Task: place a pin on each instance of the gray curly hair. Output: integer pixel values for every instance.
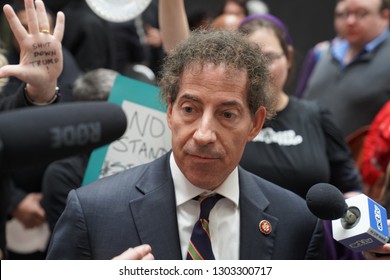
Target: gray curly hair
(230, 49)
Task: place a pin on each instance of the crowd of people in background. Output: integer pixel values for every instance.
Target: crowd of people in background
(293, 140)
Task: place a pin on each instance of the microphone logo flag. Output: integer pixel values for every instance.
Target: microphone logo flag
(369, 231)
(378, 217)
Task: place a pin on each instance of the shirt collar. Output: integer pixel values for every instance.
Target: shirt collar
(340, 47)
(374, 43)
(186, 191)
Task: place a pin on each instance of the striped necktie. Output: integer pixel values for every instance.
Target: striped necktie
(200, 244)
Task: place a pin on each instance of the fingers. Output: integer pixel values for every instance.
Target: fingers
(60, 26)
(7, 71)
(141, 252)
(40, 212)
(375, 256)
(17, 28)
(148, 257)
(37, 20)
(42, 16)
(32, 18)
(368, 255)
(379, 253)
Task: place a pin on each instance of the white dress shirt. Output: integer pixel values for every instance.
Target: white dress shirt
(224, 217)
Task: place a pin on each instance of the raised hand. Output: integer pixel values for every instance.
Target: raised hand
(41, 59)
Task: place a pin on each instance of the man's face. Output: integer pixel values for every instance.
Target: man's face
(232, 8)
(279, 63)
(360, 20)
(211, 123)
(340, 21)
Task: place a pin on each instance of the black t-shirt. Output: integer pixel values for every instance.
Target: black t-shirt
(300, 147)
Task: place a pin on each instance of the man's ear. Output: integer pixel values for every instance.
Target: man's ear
(290, 56)
(258, 122)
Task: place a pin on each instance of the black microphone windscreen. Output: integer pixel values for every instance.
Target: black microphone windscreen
(39, 135)
(326, 201)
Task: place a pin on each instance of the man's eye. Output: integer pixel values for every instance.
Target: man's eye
(188, 109)
(227, 115)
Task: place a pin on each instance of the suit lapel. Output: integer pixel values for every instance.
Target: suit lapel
(154, 212)
(254, 244)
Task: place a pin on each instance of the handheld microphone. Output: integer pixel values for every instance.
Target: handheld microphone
(359, 223)
(40, 135)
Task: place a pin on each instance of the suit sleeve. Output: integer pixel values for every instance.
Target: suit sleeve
(316, 250)
(13, 101)
(70, 240)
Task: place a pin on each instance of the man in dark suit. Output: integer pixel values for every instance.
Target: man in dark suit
(216, 89)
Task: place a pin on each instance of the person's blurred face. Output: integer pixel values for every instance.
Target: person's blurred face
(211, 123)
(232, 8)
(361, 21)
(339, 22)
(226, 22)
(279, 64)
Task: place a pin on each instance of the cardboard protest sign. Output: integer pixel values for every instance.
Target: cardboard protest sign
(147, 136)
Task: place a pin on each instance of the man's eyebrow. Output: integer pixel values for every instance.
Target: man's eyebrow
(231, 103)
(189, 96)
(195, 98)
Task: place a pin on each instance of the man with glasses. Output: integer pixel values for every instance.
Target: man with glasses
(352, 78)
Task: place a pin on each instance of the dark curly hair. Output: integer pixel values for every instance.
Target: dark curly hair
(230, 49)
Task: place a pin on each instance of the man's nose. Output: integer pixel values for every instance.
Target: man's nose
(205, 133)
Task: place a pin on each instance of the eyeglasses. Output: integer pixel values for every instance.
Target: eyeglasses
(271, 57)
(358, 14)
